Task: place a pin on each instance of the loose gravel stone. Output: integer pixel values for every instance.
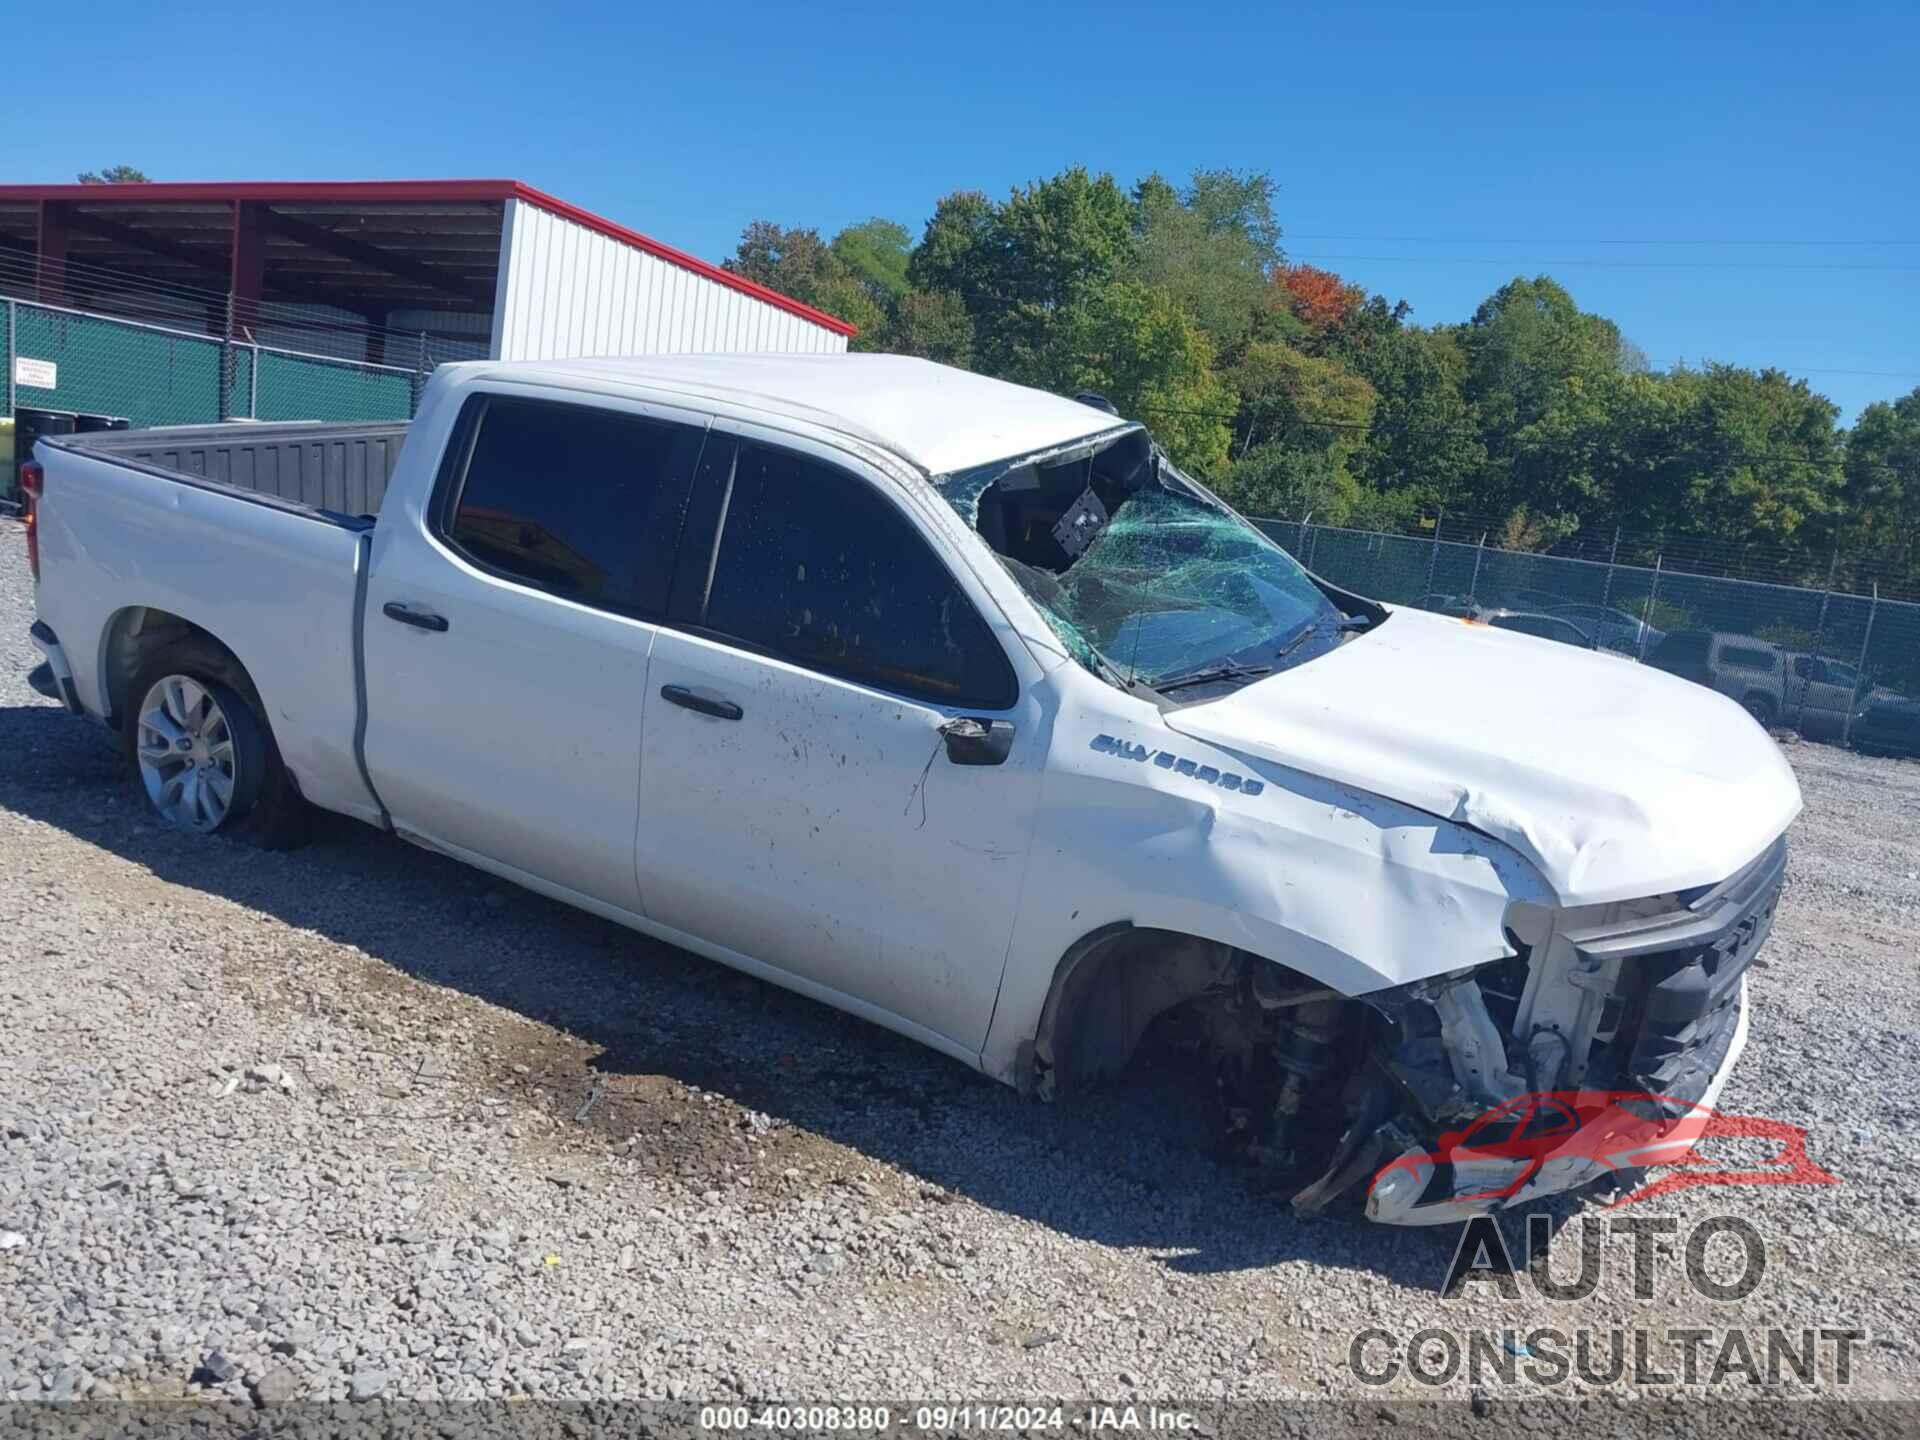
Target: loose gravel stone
(277, 1387)
(367, 1384)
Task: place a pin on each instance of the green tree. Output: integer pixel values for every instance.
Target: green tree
(114, 175)
(1212, 246)
(1882, 485)
(875, 253)
(800, 264)
(1424, 448)
(954, 255)
(1300, 400)
(934, 325)
(1025, 267)
(1279, 480)
(1767, 458)
(1536, 375)
(1135, 344)
(1302, 419)
(795, 262)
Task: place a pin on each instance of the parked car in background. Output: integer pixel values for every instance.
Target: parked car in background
(1615, 629)
(1739, 666)
(1886, 724)
(1525, 599)
(1820, 695)
(1547, 627)
(1458, 606)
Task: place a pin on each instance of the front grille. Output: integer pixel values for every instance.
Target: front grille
(1684, 1006)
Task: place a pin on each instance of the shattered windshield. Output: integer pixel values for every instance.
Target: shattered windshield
(1139, 571)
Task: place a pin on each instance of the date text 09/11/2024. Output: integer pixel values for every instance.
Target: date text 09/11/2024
(947, 1419)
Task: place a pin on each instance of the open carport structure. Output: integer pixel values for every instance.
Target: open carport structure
(170, 304)
(482, 267)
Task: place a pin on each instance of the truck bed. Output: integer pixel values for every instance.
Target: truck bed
(339, 469)
(256, 534)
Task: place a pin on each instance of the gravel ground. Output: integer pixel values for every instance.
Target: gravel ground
(357, 1121)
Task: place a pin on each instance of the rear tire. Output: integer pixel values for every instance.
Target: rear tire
(200, 751)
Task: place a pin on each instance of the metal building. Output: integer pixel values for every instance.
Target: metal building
(472, 267)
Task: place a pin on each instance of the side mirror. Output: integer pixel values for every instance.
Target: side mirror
(977, 742)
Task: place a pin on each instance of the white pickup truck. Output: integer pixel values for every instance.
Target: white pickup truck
(956, 705)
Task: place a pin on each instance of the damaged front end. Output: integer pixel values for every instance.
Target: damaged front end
(1590, 1052)
(1645, 999)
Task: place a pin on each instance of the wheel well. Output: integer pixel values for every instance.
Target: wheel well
(1114, 983)
(133, 636)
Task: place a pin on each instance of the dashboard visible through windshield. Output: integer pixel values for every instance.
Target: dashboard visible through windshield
(1142, 574)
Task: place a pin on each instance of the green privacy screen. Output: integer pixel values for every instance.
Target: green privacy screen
(296, 387)
(152, 376)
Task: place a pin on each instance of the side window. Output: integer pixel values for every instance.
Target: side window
(817, 567)
(1746, 657)
(583, 502)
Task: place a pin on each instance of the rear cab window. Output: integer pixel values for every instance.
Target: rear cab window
(1749, 657)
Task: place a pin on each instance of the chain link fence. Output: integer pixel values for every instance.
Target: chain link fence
(65, 367)
(1807, 659)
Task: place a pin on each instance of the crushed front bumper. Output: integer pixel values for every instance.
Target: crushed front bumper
(1401, 1195)
(1679, 980)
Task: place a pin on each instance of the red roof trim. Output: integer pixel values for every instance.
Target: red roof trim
(373, 192)
(178, 192)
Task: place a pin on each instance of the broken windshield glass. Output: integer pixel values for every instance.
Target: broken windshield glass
(1132, 563)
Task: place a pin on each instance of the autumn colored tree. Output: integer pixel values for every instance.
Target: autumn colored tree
(1318, 298)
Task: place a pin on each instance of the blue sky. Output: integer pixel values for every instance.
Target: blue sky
(1427, 153)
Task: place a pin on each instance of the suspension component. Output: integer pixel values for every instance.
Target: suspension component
(1304, 1050)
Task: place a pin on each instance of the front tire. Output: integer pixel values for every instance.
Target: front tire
(1761, 708)
(199, 748)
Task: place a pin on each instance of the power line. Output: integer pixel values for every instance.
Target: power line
(1604, 264)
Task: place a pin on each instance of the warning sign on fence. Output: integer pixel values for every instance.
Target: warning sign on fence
(40, 374)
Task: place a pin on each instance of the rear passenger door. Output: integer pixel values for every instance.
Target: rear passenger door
(508, 630)
(797, 804)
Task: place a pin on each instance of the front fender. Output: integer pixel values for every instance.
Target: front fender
(1142, 827)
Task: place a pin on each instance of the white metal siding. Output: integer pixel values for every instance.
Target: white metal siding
(568, 291)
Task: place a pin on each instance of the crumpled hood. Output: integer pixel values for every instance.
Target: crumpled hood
(1617, 781)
